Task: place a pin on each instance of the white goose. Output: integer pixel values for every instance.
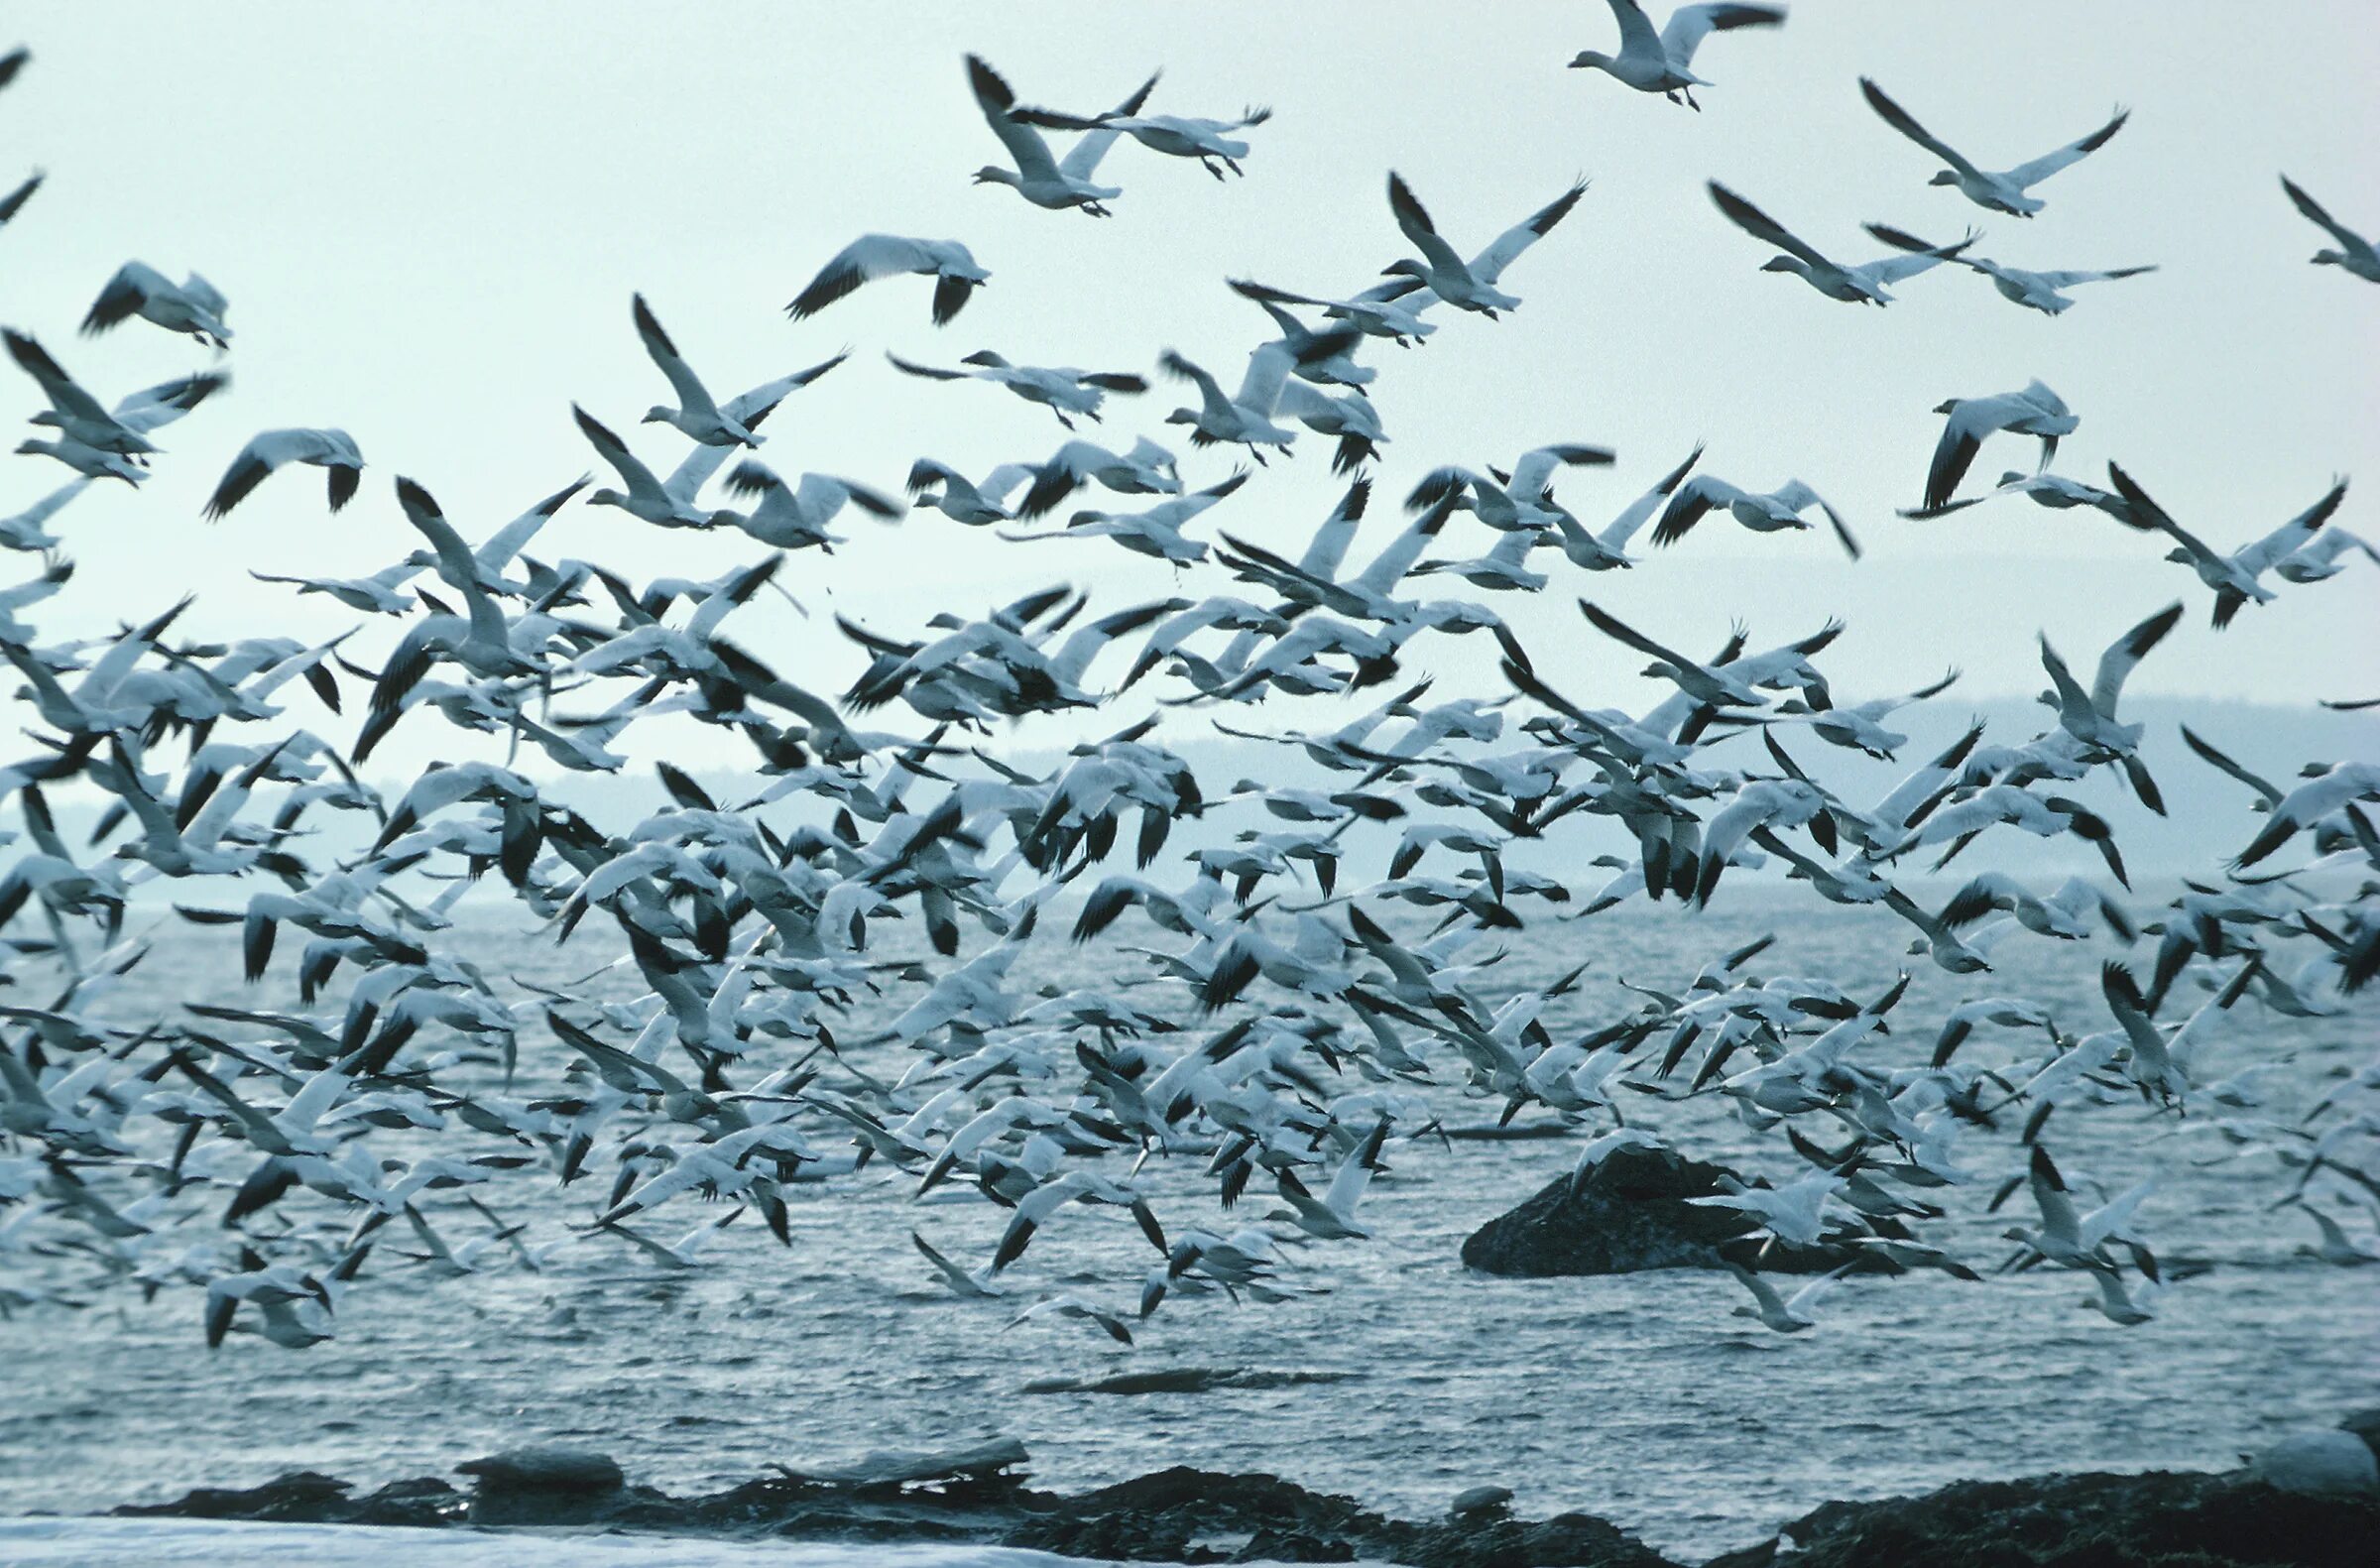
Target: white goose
(194, 305)
(2035, 290)
(1208, 141)
(76, 413)
(668, 505)
(1039, 177)
(973, 502)
(1607, 550)
(1061, 389)
(2000, 192)
(2355, 253)
(1861, 285)
(1244, 418)
(332, 450)
(1520, 500)
(2036, 410)
(792, 516)
(696, 413)
(148, 409)
(873, 256)
(1663, 62)
(1762, 513)
(2324, 556)
(1786, 1316)
(2233, 577)
(1467, 286)
(1147, 469)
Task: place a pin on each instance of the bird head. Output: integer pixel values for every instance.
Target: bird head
(1407, 268)
(656, 415)
(2330, 257)
(1943, 176)
(993, 175)
(985, 356)
(1591, 60)
(1791, 264)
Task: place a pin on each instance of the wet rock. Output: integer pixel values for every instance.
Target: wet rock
(543, 1486)
(1478, 1500)
(1183, 1379)
(2187, 1520)
(985, 1461)
(1631, 1213)
(2366, 1425)
(2333, 1464)
(297, 1495)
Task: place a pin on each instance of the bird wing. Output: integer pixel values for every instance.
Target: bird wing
(2127, 650)
(862, 261)
(265, 451)
(1267, 372)
(1892, 269)
(1354, 1172)
(2266, 791)
(1636, 34)
(167, 401)
(1689, 25)
(1328, 548)
(2314, 211)
(633, 472)
(1490, 264)
(123, 295)
(1415, 219)
(1690, 501)
(1623, 528)
(1389, 569)
(2039, 168)
(2067, 280)
(509, 540)
(1026, 146)
(1761, 226)
(692, 395)
(60, 388)
(456, 563)
(1902, 121)
(2291, 536)
(929, 372)
(1082, 158)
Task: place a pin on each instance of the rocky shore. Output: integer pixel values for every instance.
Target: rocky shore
(2313, 1500)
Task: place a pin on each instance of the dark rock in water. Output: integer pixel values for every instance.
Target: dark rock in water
(1183, 1379)
(296, 1495)
(2184, 1520)
(1478, 1500)
(543, 1486)
(982, 1462)
(2366, 1425)
(1630, 1213)
(975, 1496)
(980, 1497)
(1165, 1516)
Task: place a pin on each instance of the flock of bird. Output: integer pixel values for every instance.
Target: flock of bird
(1273, 1024)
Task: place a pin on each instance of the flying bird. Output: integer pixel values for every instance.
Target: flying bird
(873, 256)
(2004, 191)
(2355, 253)
(1663, 62)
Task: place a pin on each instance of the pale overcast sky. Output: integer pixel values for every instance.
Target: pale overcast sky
(429, 219)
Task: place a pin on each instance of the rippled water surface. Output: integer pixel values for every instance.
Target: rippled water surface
(1639, 1398)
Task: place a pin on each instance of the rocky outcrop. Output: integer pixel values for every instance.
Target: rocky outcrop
(976, 1494)
(2237, 1520)
(2173, 1520)
(1631, 1212)
(543, 1486)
